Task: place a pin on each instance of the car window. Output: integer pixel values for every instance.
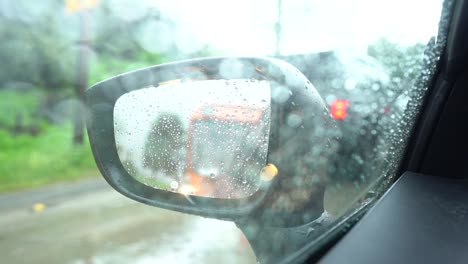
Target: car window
(370, 61)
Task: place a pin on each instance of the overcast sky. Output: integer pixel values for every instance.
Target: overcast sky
(246, 26)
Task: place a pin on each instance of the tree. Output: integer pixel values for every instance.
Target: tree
(36, 54)
(378, 116)
(376, 84)
(164, 145)
(38, 57)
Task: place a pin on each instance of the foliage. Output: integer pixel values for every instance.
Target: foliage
(401, 63)
(27, 160)
(104, 67)
(39, 54)
(39, 57)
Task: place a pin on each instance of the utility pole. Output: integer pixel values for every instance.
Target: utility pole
(82, 7)
(278, 29)
(81, 78)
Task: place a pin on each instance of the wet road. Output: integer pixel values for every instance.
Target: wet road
(88, 222)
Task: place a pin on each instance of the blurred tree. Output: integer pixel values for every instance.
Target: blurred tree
(376, 86)
(164, 145)
(41, 42)
(378, 101)
(36, 54)
(402, 64)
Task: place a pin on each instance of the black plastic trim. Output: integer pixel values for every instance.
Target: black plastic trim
(303, 98)
(421, 219)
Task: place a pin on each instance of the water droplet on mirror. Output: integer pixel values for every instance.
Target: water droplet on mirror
(174, 185)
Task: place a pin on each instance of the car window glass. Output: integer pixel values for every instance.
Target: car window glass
(369, 60)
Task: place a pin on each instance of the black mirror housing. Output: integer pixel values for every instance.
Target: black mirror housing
(302, 136)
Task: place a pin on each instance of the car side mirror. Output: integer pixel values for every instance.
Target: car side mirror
(227, 138)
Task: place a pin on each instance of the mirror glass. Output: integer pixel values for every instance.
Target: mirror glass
(206, 138)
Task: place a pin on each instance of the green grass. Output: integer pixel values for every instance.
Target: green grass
(108, 66)
(14, 104)
(27, 161)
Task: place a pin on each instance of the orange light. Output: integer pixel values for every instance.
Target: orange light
(187, 190)
(268, 172)
(72, 6)
(176, 81)
(339, 108)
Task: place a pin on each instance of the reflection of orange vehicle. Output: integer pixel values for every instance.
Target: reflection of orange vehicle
(222, 141)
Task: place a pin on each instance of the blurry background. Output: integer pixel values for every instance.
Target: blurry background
(52, 50)
(55, 207)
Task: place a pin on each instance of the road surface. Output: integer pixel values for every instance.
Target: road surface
(89, 222)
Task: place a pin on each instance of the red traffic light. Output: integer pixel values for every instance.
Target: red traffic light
(339, 108)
